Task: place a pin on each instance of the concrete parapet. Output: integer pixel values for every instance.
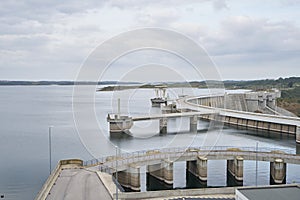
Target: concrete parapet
(75, 162)
(163, 125)
(167, 194)
(278, 172)
(193, 123)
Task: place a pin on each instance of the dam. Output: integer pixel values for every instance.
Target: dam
(119, 176)
(209, 108)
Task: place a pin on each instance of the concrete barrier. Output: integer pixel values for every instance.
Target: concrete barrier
(177, 193)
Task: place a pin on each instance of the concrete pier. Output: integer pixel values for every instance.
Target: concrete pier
(162, 171)
(239, 168)
(155, 171)
(130, 178)
(119, 123)
(168, 172)
(123, 178)
(235, 169)
(193, 123)
(163, 125)
(277, 172)
(134, 173)
(298, 134)
(202, 168)
(198, 168)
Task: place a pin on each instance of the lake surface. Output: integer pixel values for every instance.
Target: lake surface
(26, 112)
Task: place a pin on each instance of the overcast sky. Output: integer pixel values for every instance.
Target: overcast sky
(247, 39)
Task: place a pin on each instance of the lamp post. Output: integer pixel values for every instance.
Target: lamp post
(116, 172)
(256, 164)
(50, 151)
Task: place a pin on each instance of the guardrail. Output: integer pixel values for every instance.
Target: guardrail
(108, 164)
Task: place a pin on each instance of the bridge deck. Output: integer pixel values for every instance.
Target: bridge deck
(78, 184)
(182, 154)
(172, 115)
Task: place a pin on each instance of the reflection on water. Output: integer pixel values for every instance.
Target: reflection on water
(154, 184)
(232, 182)
(297, 148)
(193, 182)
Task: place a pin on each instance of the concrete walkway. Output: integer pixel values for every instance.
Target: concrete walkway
(78, 184)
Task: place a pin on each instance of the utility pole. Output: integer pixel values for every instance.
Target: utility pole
(119, 107)
(116, 171)
(256, 164)
(50, 151)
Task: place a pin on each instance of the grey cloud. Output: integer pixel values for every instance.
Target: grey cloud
(195, 31)
(220, 4)
(134, 4)
(290, 2)
(161, 17)
(242, 34)
(62, 33)
(23, 42)
(38, 8)
(140, 4)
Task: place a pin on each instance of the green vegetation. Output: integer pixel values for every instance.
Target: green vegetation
(290, 100)
(290, 90)
(291, 93)
(281, 83)
(193, 84)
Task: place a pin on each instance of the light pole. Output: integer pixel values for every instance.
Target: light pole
(256, 164)
(116, 172)
(49, 140)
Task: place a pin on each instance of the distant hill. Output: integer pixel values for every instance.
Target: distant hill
(253, 84)
(290, 87)
(5, 82)
(264, 84)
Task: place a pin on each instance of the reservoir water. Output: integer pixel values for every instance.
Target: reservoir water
(26, 112)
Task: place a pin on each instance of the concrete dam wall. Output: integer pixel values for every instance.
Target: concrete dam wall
(261, 102)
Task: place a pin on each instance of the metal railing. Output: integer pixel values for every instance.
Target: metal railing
(107, 164)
